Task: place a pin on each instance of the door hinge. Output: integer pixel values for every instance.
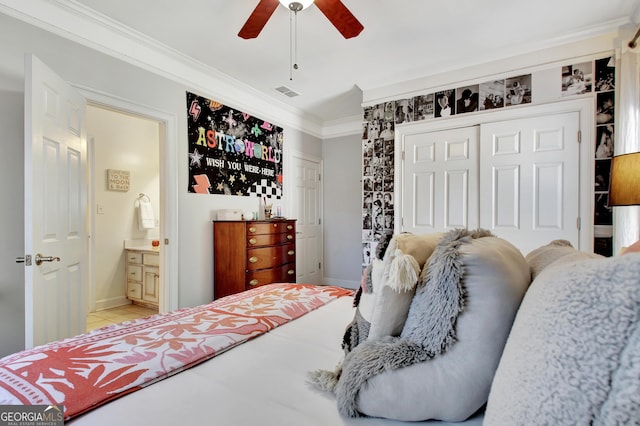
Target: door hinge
(319, 265)
(319, 177)
(319, 221)
(579, 136)
(579, 224)
(402, 155)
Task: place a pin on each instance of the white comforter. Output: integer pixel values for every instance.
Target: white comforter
(261, 382)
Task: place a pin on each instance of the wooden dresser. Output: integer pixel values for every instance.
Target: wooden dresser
(252, 253)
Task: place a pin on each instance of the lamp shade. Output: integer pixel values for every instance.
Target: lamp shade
(303, 4)
(624, 189)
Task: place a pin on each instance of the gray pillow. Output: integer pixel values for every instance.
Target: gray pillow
(573, 353)
(455, 384)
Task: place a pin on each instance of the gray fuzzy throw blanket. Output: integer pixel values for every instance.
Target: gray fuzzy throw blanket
(428, 331)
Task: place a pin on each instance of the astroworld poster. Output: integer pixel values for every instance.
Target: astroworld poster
(232, 152)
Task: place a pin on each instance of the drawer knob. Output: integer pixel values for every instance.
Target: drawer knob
(291, 272)
(275, 225)
(291, 252)
(253, 282)
(253, 241)
(253, 259)
(289, 237)
(252, 229)
(289, 227)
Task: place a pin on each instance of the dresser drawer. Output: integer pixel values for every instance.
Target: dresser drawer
(281, 274)
(260, 228)
(134, 290)
(134, 272)
(269, 239)
(134, 257)
(264, 257)
(151, 259)
(289, 253)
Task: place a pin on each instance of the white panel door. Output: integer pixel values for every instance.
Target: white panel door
(55, 206)
(530, 179)
(440, 180)
(308, 224)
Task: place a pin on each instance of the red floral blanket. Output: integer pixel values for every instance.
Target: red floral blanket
(91, 369)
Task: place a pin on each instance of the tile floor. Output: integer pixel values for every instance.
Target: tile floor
(115, 315)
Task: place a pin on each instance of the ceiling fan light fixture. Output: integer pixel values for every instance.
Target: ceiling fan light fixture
(296, 5)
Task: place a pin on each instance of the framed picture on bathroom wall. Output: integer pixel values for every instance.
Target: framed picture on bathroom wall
(118, 180)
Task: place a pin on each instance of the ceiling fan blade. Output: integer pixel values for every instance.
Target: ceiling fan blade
(340, 17)
(258, 18)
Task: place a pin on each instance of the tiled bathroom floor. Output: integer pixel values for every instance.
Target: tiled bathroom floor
(116, 315)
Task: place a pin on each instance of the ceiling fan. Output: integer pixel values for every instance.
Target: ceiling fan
(334, 10)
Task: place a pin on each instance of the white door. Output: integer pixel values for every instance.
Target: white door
(308, 209)
(530, 179)
(55, 206)
(440, 180)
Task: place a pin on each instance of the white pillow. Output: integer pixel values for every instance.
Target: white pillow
(547, 255)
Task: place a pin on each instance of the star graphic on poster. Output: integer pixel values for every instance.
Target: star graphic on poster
(232, 179)
(239, 193)
(220, 186)
(195, 158)
(256, 130)
(243, 178)
(229, 119)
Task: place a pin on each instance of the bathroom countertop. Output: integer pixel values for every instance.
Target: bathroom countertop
(144, 248)
(140, 245)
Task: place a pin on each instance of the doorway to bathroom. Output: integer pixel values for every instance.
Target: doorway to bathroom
(124, 152)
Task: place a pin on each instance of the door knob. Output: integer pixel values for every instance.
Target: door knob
(40, 258)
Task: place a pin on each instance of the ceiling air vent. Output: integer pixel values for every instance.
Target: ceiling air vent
(287, 91)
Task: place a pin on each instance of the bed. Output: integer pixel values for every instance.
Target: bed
(240, 360)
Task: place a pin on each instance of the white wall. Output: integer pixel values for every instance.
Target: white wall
(342, 186)
(88, 68)
(120, 142)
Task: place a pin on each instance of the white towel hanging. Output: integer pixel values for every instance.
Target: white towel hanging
(146, 218)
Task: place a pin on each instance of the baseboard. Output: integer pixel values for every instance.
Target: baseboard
(341, 283)
(114, 302)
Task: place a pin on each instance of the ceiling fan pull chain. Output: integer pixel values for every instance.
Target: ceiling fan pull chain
(295, 41)
(290, 45)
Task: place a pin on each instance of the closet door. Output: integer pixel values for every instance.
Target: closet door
(529, 179)
(440, 180)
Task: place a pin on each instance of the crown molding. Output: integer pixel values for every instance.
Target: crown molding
(579, 43)
(76, 22)
(342, 127)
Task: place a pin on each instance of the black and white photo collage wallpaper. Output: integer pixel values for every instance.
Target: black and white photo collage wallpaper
(378, 135)
(604, 86)
(592, 78)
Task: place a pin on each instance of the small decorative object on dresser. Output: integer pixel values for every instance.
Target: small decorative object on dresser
(251, 253)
